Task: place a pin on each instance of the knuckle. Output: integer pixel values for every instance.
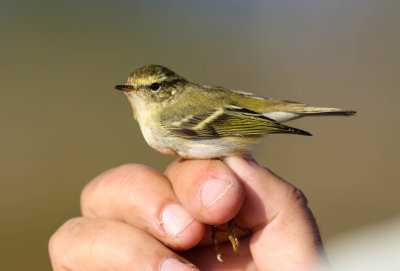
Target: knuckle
(53, 244)
(116, 179)
(213, 165)
(57, 240)
(86, 199)
(296, 197)
(78, 240)
(207, 169)
(120, 177)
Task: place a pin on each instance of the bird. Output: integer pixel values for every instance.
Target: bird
(192, 121)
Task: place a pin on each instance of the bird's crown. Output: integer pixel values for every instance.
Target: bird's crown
(150, 74)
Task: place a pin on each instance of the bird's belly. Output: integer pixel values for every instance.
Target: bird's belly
(173, 145)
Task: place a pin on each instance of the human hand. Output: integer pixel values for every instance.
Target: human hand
(135, 218)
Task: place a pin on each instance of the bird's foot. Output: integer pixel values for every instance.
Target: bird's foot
(232, 236)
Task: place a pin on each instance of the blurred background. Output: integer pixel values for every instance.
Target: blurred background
(62, 123)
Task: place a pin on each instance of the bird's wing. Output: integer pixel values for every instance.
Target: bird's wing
(227, 121)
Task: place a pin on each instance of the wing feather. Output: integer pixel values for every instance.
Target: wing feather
(229, 121)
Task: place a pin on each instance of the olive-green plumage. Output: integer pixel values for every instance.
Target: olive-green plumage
(178, 117)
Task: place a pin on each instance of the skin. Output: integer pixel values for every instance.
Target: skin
(129, 213)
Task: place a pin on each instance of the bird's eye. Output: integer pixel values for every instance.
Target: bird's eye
(155, 86)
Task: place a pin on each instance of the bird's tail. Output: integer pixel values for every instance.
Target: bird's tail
(282, 111)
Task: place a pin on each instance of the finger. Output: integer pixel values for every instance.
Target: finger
(98, 244)
(208, 189)
(142, 197)
(285, 232)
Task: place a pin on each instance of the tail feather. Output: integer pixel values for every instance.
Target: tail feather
(309, 109)
(282, 111)
(339, 112)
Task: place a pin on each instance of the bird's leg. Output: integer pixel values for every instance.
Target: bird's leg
(217, 245)
(247, 231)
(232, 236)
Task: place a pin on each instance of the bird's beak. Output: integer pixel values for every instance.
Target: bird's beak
(126, 88)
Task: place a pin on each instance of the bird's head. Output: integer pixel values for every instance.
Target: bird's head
(154, 83)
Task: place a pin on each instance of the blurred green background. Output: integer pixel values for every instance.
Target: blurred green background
(62, 123)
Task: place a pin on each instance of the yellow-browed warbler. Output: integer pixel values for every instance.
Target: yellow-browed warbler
(188, 120)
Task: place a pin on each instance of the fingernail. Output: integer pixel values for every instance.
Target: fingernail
(175, 219)
(171, 264)
(213, 190)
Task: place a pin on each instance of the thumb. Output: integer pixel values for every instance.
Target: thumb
(285, 233)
